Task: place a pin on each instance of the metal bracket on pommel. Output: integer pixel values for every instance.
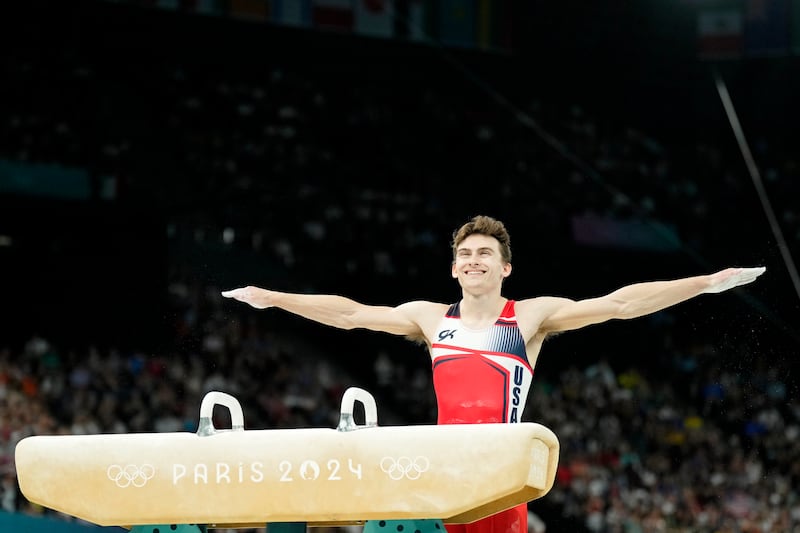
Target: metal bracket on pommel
(319, 476)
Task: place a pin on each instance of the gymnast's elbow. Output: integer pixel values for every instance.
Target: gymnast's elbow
(346, 322)
(631, 310)
(352, 320)
(625, 310)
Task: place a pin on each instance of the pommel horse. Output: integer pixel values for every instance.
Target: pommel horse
(234, 478)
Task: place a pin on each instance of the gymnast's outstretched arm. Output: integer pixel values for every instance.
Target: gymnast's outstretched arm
(409, 319)
(561, 314)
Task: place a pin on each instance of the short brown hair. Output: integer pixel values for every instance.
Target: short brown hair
(484, 225)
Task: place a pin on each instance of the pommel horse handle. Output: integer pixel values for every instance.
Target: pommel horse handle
(206, 427)
(347, 421)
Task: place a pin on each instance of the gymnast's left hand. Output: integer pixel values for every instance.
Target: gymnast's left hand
(253, 296)
(732, 277)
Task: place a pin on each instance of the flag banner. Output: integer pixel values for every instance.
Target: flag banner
(44, 180)
(457, 23)
(475, 24)
(168, 4)
(375, 18)
(296, 13)
(249, 9)
(493, 24)
(795, 26)
(484, 24)
(719, 33)
(333, 14)
(205, 7)
(766, 27)
(420, 20)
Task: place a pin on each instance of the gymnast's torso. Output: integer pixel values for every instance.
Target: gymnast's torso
(480, 376)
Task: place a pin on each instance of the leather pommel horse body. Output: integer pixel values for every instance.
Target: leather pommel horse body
(238, 478)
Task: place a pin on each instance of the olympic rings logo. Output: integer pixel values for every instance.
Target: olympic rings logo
(130, 475)
(405, 467)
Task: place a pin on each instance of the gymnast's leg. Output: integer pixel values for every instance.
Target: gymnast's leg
(514, 520)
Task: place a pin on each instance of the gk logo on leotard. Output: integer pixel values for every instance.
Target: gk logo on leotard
(405, 467)
(447, 334)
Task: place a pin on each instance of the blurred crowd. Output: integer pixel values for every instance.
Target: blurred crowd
(347, 179)
(692, 444)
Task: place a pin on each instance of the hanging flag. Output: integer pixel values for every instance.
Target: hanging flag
(766, 27)
(206, 7)
(333, 14)
(296, 13)
(416, 20)
(795, 26)
(493, 24)
(483, 23)
(375, 18)
(248, 9)
(168, 4)
(457, 23)
(719, 33)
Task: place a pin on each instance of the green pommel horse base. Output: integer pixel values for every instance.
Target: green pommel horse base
(421, 526)
(277, 527)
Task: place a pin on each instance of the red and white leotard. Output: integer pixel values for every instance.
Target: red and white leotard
(482, 376)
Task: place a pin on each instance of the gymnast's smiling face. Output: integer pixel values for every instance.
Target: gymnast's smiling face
(479, 266)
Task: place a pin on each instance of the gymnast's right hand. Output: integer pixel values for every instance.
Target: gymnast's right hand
(254, 296)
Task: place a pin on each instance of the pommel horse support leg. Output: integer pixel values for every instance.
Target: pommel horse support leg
(292, 477)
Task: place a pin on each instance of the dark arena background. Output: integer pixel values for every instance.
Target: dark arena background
(154, 153)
